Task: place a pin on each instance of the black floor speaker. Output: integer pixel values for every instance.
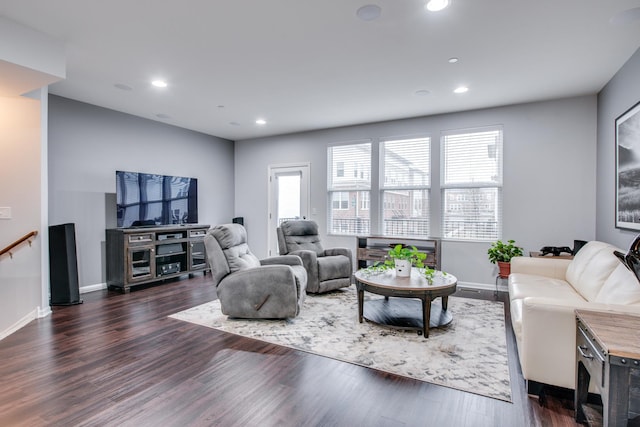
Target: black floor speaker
(63, 265)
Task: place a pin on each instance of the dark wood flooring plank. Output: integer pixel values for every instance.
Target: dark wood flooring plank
(118, 360)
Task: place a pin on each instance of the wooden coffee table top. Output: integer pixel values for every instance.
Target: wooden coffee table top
(416, 282)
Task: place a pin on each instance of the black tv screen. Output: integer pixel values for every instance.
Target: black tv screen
(145, 199)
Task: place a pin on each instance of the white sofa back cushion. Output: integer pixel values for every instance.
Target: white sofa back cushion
(621, 287)
(591, 266)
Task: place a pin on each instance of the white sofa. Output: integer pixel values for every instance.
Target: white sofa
(545, 292)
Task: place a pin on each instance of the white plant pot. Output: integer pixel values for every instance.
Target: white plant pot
(403, 268)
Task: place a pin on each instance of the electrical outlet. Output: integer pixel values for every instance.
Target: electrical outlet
(5, 213)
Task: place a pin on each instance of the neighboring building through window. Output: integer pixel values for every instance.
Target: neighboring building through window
(349, 186)
(471, 184)
(399, 201)
(406, 178)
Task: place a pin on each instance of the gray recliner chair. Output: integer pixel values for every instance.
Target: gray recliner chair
(327, 269)
(272, 288)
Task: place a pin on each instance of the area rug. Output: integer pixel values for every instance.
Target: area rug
(469, 354)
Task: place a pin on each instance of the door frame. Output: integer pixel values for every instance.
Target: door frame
(272, 170)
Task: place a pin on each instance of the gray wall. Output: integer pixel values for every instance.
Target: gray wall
(87, 144)
(549, 175)
(20, 189)
(621, 93)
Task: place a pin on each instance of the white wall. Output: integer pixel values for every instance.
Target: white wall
(87, 144)
(621, 93)
(20, 278)
(549, 175)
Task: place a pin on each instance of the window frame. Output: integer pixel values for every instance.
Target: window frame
(385, 187)
(360, 177)
(462, 199)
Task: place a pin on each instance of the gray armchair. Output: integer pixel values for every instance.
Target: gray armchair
(272, 288)
(327, 269)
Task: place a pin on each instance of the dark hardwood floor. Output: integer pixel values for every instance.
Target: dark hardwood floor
(118, 360)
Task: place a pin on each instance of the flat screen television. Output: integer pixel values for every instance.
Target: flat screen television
(145, 199)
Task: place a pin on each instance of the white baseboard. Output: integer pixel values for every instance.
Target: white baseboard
(92, 288)
(44, 312)
(19, 324)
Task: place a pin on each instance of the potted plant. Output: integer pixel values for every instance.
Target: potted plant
(403, 257)
(501, 253)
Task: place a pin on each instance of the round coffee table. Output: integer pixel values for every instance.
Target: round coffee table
(402, 310)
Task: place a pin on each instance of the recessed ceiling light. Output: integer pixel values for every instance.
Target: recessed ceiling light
(123, 87)
(220, 106)
(461, 89)
(453, 60)
(421, 92)
(159, 83)
(369, 12)
(261, 122)
(234, 123)
(436, 5)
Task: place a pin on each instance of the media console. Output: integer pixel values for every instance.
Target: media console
(137, 256)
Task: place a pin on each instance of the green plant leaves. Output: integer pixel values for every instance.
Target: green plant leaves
(501, 251)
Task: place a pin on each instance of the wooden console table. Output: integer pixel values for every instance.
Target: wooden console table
(372, 249)
(608, 352)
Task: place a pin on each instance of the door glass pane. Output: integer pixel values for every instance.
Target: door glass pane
(288, 197)
(140, 262)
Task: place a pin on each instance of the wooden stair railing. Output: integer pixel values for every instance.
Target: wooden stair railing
(25, 238)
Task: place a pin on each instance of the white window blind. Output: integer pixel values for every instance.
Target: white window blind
(406, 179)
(471, 184)
(349, 186)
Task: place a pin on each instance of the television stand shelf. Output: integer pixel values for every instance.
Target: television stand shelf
(137, 256)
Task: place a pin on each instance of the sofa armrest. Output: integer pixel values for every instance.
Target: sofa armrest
(548, 342)
(338, 251)
(267, 292)
(310, 263)
(282, 260)
(548, 267)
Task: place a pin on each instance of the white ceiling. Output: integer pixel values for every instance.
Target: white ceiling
(305, 65)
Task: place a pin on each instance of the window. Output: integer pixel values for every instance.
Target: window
(349, 188)
(365, 202)
(405, 174)
(471, 184)
(340, 201)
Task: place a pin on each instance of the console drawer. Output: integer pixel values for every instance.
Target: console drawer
(140, 238)
(592, 357)
(197, 233)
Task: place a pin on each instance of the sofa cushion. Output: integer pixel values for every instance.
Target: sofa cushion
(302, 235)
(621, 287)
(232, 239)
(241, 258)
(591, 266)
(523, 285)
(333, 267)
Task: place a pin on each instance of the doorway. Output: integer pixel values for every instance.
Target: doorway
(288, 198)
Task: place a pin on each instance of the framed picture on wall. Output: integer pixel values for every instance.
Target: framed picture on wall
(628, 169)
